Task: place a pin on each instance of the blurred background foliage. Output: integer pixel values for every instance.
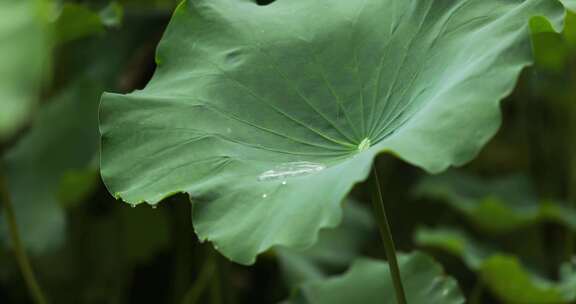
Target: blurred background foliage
(503, 225)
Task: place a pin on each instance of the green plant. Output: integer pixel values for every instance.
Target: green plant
(423, 279)
(24, 39)
(269, 116)
(264, 123)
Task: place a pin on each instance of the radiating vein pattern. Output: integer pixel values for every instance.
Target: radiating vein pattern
(267, 114)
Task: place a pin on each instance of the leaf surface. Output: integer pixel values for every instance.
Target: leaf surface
(24, 54)
(335, 249)
(78, 21)
(268, 115)
(570, 4)
(496, 206)
(502, 273)
(368, 281)
(50, 166)
(36, 165)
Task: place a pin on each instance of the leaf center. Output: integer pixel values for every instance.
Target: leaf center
(364, 144)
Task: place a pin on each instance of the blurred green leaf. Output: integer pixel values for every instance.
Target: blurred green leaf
(513, 284)
(63, 140)
(77, 21)
(499, 205)
(503, 274)
(569, 4)
(150, 3)
(112, 15)
(24, 59)
(550, 49)
(454, 242)
(553, 51)
(335, 249)
(76, 185)
(570, 31)
(368, 282)
(36, 165)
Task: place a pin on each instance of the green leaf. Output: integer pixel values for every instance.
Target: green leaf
(503, 274)
(368, 281)
(112, 15)
(63, 137)
(513, 284)
(570, 4)
(24, 55)
(161, 4)
(496, 206)
(335, 249)
(570, 30)
(454, 242)
(76, 185)
(36, 165)
(77, 21)
(268, 115)
(550, 51)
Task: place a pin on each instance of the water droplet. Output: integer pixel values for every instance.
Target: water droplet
(365, 144)
(133, 205)
(264, 195)
(291, 169)
(284, 182)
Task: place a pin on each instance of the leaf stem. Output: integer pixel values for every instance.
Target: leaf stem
(476, 294)
(182, 247)
(571, 195)
(216, 290)
(386, 234)
(21, 257)
(203, 281)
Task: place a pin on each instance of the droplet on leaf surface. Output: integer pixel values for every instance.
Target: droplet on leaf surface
(291, 169)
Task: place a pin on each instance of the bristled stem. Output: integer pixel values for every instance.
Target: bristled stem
(21, 257)
(386, 234)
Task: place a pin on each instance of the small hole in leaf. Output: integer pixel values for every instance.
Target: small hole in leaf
(264, 2)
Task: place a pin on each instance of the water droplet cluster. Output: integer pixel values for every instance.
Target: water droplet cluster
(292, 169)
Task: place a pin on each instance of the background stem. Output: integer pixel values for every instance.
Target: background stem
(216, 287)
(183, 247)
(571, 179)
(21, 257)
(476, 294)
(195, 292)
(386, 234)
